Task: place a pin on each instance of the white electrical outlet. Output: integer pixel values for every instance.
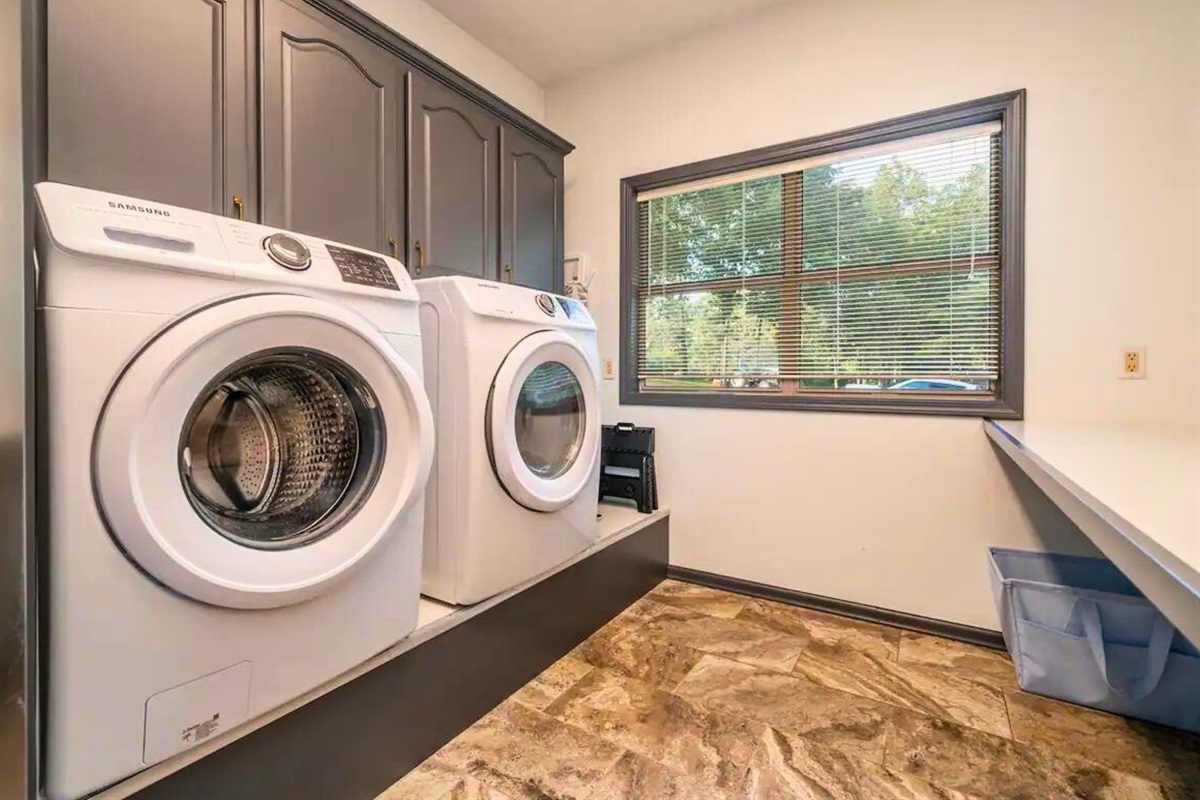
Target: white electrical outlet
(1133, 363)
(609, 371)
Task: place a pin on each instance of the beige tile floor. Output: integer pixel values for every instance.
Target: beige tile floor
(697, 693)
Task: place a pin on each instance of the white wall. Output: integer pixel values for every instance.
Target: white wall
(430, 29)
(888, 510)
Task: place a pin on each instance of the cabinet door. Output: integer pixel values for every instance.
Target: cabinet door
(331, 101)
(531, 212)
(151, 99)
(452, 198)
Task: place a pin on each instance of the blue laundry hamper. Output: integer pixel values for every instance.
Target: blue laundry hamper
(1079, 630)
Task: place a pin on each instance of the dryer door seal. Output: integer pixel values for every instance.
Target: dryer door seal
(257, 450)
(543, 421)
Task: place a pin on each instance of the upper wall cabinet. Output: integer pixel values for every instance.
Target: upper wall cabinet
(531, 212)
(306, 115)
(331, 105)
(151, 99)
(452, 201)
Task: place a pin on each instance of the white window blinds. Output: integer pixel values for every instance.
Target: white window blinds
(870, 270)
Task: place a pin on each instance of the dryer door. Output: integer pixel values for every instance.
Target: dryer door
(257, 450)
(543, 421)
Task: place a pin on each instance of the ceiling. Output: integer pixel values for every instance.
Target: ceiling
(551, 40)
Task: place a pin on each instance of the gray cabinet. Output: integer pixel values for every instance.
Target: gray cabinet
(452, 220)
(531, 212)
(485, 199)
(307, 116)
(331, 106)
(152, 99)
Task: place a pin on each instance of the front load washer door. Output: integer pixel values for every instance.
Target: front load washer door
(543, 420)
(256, 450)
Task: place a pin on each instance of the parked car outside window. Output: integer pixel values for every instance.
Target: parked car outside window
(934, 385)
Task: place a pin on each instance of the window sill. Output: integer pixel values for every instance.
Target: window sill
(991, 407)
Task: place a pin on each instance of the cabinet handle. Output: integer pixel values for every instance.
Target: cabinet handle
(239, 206)
(392, 244)
(508, 273)
(420, 256)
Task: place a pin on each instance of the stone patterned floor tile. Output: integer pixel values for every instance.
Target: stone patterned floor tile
(711, 747)
(713, 602)
(471, 789)
(846, 722)
(552, 682)
(992, 667)
(433, 780)
(672, 696)
(530, 756)
(732, 638)
(787, 767)
(968, 760)
(1164, 755)
(641, 610)
(917, 687)
(636, 777)
(631, 618)
(632, 651)
(819, 627)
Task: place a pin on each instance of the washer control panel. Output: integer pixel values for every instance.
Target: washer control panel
(288, 251)
(362, 268)
(140, 233)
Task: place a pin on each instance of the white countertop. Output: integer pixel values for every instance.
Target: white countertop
(1142, 482)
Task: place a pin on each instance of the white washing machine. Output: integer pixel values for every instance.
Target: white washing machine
(236, 442)
(512, 374)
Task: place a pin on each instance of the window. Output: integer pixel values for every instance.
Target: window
(872, 269)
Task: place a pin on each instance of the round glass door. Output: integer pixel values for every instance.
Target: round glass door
(239, 460)
(281, 448)
(543, 426)
(549, 419)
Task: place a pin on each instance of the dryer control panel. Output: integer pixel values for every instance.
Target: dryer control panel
(506, 301)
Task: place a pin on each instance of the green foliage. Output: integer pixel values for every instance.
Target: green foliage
(900, 216)
(722, 232)
(864, 214)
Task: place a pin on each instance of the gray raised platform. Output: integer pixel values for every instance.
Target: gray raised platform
(352, 738)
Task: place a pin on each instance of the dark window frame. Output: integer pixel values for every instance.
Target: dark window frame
(1007, 403)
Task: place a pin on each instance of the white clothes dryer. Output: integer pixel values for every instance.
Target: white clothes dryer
(512, 374)
(236, 440)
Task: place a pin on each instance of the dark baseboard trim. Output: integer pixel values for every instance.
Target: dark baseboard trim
(357, 740)
(845, 608)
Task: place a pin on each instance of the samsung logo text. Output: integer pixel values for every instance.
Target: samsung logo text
(144, 209)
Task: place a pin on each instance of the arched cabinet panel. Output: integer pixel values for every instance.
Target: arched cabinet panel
(452, 198)
(531, 212)
(330, 103)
